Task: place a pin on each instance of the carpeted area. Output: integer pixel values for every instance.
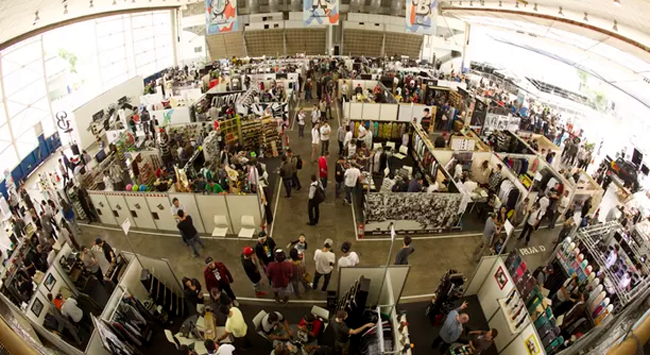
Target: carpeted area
(423, 333)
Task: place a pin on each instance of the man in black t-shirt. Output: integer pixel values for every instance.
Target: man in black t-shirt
(109, 254)
(342, 333)
(188, 232)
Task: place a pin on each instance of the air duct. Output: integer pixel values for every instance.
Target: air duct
(253, 6)
(273, 6)
(396, 7)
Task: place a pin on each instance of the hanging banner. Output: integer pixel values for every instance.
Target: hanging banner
(421, 16)
(221, 16)
(320, 12)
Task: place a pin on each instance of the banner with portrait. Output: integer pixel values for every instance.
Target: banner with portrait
(421, 16)
(320, 12)
(221, 16)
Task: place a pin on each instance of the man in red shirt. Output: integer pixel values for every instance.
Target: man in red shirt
(311, 325)
(217, 279)
(322, 168)
(280, 272)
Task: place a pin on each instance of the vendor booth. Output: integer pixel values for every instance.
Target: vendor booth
(539, 143)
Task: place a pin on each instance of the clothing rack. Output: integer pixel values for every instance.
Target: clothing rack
(354, 301)
(163, 295)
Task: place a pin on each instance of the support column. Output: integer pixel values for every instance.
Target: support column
(253, 6)
(330, 40)
(466, 59)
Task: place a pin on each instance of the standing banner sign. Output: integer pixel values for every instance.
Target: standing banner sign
(221, 16)
(320, 12)
(421, 16)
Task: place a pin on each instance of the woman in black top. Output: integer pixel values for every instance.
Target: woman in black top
(192, 290)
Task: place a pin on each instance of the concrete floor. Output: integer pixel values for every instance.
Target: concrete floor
(434, 254)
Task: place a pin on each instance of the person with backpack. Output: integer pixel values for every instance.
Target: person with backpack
(286, 173)
(316, 197)
(296, 164)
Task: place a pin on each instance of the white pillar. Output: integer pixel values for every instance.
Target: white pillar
(330, 40)
(466, 59)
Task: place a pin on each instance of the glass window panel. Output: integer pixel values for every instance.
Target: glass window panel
(27, 96)
(8, 159)
(5, 137)
(26, 143)
(49, 127)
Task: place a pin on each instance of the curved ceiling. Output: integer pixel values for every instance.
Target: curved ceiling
(18, 19)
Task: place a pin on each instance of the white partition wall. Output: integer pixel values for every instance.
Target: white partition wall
(119, 207)
(102, 207)
(480, 275)
(405, 113)
(161, 212)
(190, 207)
(162, 270)
(139, 210)
(490, 292)
(212, 205)
(371, 111)
(356, 111)
(243, 205)
(388, 112)
(174, 115)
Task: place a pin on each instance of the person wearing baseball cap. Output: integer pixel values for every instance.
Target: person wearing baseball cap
(217, 279)
(264, 249)
(349, 258)
(109, 254)
(251, 266)
(324, 261)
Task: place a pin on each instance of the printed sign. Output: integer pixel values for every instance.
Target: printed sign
(221, 16)
(223, 99)
(421, 16)
(320, 12)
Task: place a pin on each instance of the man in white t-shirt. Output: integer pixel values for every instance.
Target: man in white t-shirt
(325, 132)
(362, 135)
(175, 207)
(315, 141)
(351, 178)
(301, 123)
(315, 115)
(349, 258)
(344, 91)
(348, 137)
(324, 261)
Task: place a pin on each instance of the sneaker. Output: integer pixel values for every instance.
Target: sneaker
(260, 294)
(285, 300)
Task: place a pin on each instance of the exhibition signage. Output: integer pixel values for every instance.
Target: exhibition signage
(421, 16)
(320, 12)
(221, 16)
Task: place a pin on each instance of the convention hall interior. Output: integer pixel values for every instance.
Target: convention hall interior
(324, 177)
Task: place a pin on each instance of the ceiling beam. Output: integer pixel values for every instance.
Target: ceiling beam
(616, 35)
(71, 21)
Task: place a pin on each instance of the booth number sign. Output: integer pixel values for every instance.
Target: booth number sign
(63, 122)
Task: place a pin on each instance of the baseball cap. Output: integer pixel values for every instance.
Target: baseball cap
(248, 251)
(98, 240)
(208, 260)
(261, 235)
(328, 243)
(345, 247)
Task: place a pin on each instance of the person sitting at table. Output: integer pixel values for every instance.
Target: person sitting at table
(275, 326)
(218, 349)
(193, 293)
(185, 350)
(311, 325)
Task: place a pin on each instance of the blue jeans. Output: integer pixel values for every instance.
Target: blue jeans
(348, 193)
(337, 190)
(192, 242)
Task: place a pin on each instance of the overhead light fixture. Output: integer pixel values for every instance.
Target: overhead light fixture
(535, 8)
(91, 4)
(517, 4)
(586, 18)
(471, 3)
(482, 3)
(65, 9)
(560, 12)
(617, 2)
(500, 4)
(114, 2)
(615, 28)
(36, 18)
(460, 3)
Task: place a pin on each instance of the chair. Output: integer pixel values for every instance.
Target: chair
(376, 146)
(390, 145)
(403, 152)
(220, 226)
(172, 339)
(247, 227)
(323, 314)
(257, 321)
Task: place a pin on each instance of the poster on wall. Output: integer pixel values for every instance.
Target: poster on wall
(421, 16)
(320, 12)
(221, 16)
(501, 278)
(428, 211)
(532, 346)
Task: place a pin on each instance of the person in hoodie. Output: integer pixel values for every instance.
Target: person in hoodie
(218, 279)
(280, 272)
(264, 249)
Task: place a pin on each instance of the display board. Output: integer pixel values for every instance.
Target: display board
(174, 115)
(421, 17)
(320, 12)
(102, 207)
(139, 209)
(221, 16)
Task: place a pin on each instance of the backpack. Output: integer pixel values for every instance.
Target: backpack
(319, 196)
(298, 162)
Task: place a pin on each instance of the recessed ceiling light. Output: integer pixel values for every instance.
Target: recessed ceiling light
(615, 28)
(65, 9)
(471, 3)
(500, 4)
(36, 18)
(517, 4)
(91, 4)
(617, 2)
(586, 18)
(535, 8)
(560, 12)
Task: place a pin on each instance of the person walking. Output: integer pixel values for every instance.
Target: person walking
(298, 276)
(322, 168)
(339, 176)
(280, 272)
(301, 123)
(315, 141)
(351, 178)
(316, 197)
(286, 173)
(487, 239)
(347, 139)
(482, 340)
(69, 215)
(251, 265)
(217, 279)
(91, 264)
(264, 249)
(342, 333)
(324, 261)
(349, 258)
(534, 217)
(296, 164)
(315, 116)
(323, 110)
(325, 132)
(340, 136)
(308, 86)
(451, 329)
(189, 233)
(192, 290)
(402, 256)
(109, 254)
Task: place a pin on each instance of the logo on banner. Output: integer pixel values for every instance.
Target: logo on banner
(221, 16)
(63, 122)
(222, 100)
(420, 16)
(320, 12)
